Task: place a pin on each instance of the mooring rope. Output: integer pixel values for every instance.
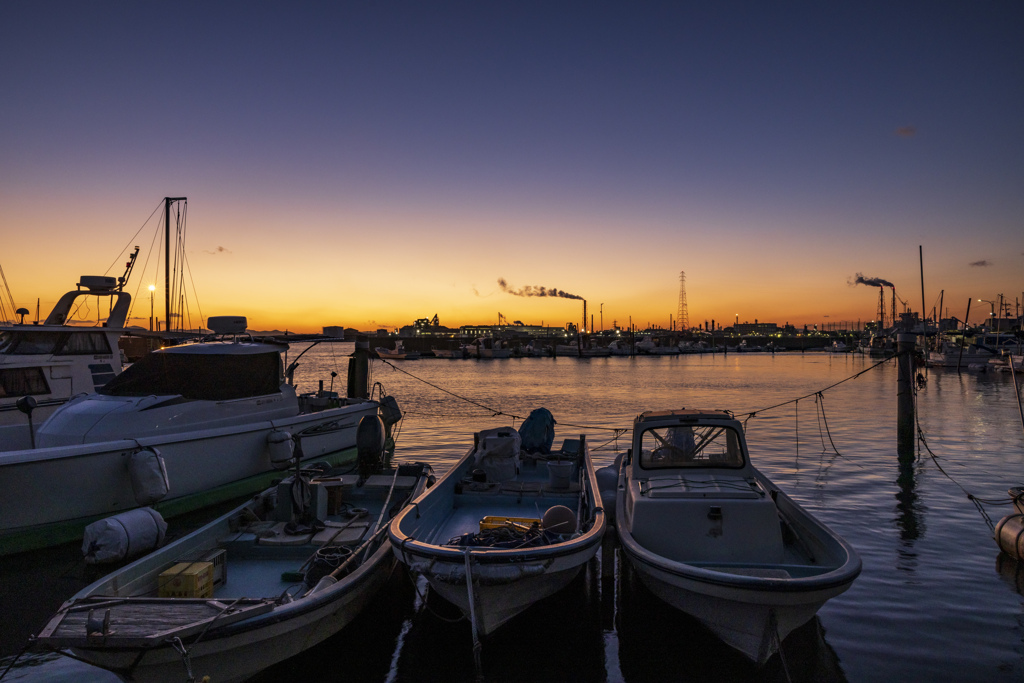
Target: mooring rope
(497, 412)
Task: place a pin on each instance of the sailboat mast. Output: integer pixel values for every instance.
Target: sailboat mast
(167, 259)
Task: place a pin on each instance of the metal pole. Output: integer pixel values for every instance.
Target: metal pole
(167, 263)
(966, 318)
(905, 396)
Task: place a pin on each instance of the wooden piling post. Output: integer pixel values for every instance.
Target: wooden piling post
(359, 369)
(905, 344)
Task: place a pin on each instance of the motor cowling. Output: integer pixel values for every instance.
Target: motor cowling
(370, 438)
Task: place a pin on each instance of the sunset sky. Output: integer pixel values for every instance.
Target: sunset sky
(366, 164)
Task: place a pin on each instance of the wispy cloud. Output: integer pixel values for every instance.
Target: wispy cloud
(218, 250)
(983, 263)
(906, 131)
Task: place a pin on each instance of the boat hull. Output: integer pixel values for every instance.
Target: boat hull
(51, 494)
(493, 585)
(721, 542)
(239, 656)
(224, 643)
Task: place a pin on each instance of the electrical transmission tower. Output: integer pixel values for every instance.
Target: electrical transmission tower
(684, 315)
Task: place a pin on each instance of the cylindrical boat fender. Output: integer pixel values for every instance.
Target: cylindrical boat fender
(1009, 535)
(281, 448)
(389, 411)
(149, 476)
(123, 536)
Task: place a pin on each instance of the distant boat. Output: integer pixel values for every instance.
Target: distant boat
(503, 529)
(713, 537)
(254, 587)
(488, 347)
(184, 427)
(397, 353)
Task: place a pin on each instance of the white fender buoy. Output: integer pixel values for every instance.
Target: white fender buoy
(123, 536)
(281, 447)
(149, 476)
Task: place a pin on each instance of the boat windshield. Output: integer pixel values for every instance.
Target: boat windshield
(200, 377)
(690, 446)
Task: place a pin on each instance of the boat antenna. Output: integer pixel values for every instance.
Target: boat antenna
(123, 280)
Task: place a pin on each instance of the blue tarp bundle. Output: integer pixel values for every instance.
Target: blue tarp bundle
(537, 432)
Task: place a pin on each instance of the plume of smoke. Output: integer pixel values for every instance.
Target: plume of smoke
(870, 281)
(530, 290)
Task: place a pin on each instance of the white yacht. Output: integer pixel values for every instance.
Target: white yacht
(186, 426)
(51, 362)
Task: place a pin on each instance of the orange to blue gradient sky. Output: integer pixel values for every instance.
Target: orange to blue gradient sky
(366, 164)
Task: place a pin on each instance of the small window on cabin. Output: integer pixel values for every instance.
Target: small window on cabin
(32, 343)
(23, 382)
(85, 344)
(690, 446)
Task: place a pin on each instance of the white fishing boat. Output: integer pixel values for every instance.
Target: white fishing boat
(256, 586)
(213, 420)
(710, 535)
(504, 528)
(488, 347)
(397, 353)
(45, 365)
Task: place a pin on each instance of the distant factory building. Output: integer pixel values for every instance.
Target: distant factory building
(334, 331)
(755, 328)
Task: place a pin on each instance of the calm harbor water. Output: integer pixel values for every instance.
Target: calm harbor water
(935, 601)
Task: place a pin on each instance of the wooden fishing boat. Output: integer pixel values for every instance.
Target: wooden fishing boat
(712, 536)
(256, 586)
(504, 528)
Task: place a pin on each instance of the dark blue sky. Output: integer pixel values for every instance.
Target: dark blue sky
(739, 138)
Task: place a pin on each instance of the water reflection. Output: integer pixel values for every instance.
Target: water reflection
(558, 639)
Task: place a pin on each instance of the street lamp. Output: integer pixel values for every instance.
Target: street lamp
(152, 288)
(992, 304)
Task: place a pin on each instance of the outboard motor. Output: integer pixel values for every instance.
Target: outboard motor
(369, 446)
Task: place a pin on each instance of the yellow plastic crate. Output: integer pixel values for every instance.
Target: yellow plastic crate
(187, 580)
(497, 522)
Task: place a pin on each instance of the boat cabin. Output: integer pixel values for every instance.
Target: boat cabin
(691, 473)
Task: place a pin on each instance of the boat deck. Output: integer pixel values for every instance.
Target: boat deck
(528, 496)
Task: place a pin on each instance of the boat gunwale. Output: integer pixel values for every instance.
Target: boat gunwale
(80, 450)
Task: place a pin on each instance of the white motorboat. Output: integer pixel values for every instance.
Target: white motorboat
(504, 528)
(256, 586)
(52, 362)
(213, 419)
(710, 535)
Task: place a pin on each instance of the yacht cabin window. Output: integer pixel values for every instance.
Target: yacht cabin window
(40, 343)
(690, 446)
(23, 382)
